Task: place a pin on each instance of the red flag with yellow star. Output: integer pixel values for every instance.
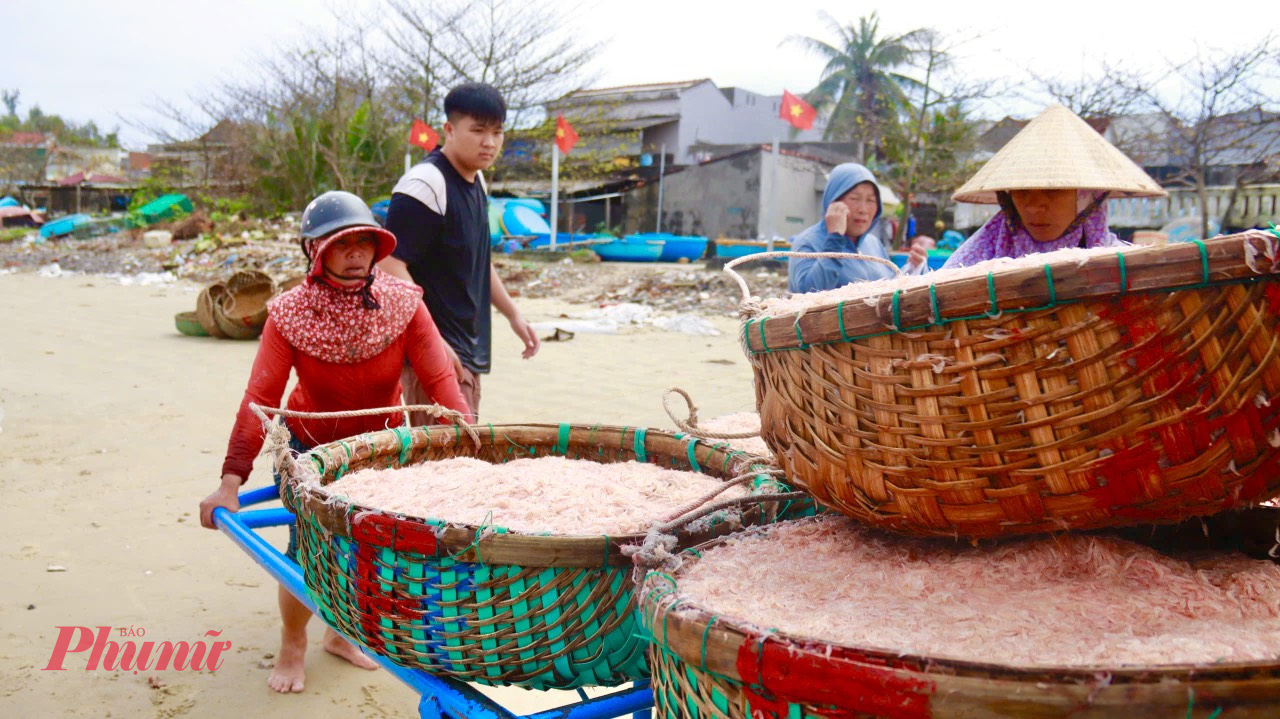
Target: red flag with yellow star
(797, 112)
(423, 136)
(566, 136)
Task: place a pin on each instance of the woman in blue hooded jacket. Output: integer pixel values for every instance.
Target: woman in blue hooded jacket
(851, 208)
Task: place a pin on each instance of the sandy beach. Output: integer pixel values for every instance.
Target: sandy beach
(114, 428)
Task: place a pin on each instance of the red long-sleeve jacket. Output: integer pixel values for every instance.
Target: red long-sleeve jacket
(334, 387)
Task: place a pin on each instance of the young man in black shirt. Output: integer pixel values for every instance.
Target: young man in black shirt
(439, 214)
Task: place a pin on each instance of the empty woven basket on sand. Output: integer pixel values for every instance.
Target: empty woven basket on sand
(242, 310)
(205, 304)
(1140, 387)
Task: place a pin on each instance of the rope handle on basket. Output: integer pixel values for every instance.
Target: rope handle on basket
(277, 439)
(746, 291)
(690, 426)
(655, 551)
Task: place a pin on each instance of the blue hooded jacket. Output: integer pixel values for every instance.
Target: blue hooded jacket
(811, 275)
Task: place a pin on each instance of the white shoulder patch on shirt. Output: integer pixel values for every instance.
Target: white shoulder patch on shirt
(425, 183)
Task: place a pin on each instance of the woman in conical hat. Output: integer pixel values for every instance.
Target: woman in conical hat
(1052, 181)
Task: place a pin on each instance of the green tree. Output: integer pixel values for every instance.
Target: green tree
(67, 132)
(861, 87)
(930, 150)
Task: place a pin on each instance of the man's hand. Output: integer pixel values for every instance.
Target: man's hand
(453, 359)
(837, 218)
(226, 496)
(526, 334)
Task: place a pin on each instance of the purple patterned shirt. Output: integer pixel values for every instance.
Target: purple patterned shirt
(1003, 236)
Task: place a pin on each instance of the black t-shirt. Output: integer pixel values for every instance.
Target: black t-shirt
(441, 224)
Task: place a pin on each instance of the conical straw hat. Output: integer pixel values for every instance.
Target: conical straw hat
(1058, 150)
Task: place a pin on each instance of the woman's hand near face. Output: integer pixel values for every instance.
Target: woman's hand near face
(837, 218)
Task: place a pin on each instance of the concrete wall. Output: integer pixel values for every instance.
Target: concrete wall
(798, 198)
(67, 161)
(719, 199)
(705, 114)
(730, 198)
(656, 137)
(755, 119)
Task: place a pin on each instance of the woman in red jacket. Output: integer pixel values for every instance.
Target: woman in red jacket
(347, 331)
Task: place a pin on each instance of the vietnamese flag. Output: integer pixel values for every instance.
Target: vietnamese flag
(797, 112)
(566, 137)
(423, 136)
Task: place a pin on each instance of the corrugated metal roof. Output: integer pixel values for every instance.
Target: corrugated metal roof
(91, 178)
(656, 87)
(635, 123)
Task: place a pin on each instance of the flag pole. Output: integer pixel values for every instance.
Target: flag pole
(555, 191)
(773, 198)
(662, 171)
(407, 161)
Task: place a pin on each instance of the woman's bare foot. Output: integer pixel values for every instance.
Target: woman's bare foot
(339, 647)
(288, 675)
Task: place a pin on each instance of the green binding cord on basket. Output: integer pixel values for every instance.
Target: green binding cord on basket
(638, 445)
(896, 307)
(406, 442)
(693, 455)
(562, 440)
(1204, 269)
(705, 631)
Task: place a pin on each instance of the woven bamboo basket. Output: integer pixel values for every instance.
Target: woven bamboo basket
(188, 323)
(205, 304)
(485, 604)
(708, 666)
(242, 311)
(1138, 387)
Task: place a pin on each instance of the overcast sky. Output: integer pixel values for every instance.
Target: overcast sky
(111, 61)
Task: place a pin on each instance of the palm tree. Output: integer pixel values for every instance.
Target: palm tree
(860, 87)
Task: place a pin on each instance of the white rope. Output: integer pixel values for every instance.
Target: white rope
(277, 434)
(690, 426)
(746, 291)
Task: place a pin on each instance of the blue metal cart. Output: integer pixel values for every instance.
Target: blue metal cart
(441, 697)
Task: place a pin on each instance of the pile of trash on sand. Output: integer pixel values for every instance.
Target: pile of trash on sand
(203, 252)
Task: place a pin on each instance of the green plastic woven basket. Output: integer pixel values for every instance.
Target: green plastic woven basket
(490, 605)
